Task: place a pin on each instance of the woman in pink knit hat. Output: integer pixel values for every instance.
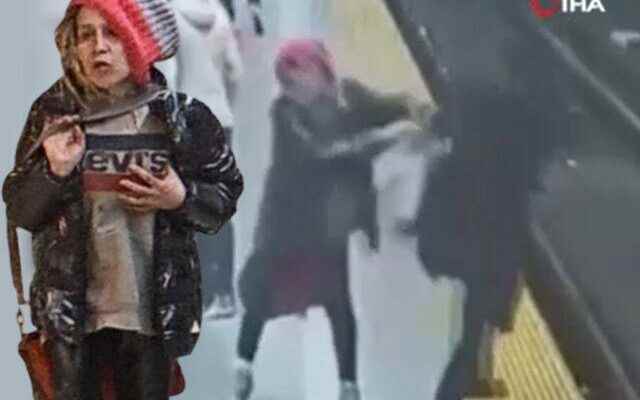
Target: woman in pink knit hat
(319, 189)
(113, 176)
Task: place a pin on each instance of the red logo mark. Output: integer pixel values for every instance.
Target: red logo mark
(544, 12)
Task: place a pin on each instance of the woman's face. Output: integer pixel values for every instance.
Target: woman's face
(100, 51)
(307, 81)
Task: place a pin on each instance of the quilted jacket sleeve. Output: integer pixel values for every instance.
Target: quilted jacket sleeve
(33, 195)
(214, 183)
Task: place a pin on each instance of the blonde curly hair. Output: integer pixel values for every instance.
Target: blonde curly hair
(67, 44)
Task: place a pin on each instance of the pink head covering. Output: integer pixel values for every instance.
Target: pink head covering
(295, 52)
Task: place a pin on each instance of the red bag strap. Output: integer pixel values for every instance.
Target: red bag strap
(14, 257)
(16, 271)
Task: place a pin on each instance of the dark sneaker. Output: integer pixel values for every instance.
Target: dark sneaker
(243, 383)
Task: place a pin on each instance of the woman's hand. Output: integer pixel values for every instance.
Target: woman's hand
(166, 193)
(64, 144)
(420, 111)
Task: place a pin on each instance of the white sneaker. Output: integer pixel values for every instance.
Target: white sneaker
(243, 382)
(223, 307)
(349, 391)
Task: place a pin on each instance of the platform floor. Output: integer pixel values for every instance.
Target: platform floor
(529, 361)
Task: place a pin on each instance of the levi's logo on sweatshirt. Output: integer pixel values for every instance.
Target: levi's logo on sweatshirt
(108, 157)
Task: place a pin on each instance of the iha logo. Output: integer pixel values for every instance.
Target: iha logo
(546, 9)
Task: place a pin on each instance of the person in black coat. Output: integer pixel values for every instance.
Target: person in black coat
(501, 107)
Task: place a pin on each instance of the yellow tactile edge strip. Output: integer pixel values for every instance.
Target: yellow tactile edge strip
(529, 361)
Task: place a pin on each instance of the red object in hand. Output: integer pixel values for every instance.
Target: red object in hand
(97, 182)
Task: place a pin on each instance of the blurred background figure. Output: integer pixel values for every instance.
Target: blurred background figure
(319, 189)
(208, 66)
(255, 13)
(282, 18)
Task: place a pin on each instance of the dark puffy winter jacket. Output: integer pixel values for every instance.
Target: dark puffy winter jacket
(52, 210)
